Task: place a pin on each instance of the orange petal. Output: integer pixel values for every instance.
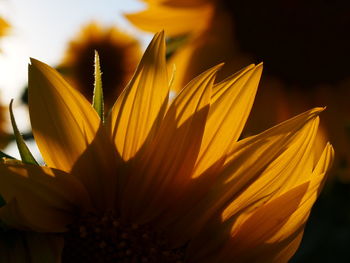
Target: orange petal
(39, 198)
(228, 113)
(169, 162)
(272, 233)
(142, 104)
(158, 17)
(254, 172)
(69, 133)
(63, 121)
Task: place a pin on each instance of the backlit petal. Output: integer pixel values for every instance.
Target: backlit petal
(69, 132)
(228, 113)
(142, 104)
(63, 121)
(169, 162)
(254, 173)
(159, 17)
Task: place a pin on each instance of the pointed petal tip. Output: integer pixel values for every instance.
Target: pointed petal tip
(213, 70)
(330, 149)
(159, 36)
(260, 66)
(34, 61)
(317, 110)
(217, 67)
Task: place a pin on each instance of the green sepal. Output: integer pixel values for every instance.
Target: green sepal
(24, 151)
(97, 100)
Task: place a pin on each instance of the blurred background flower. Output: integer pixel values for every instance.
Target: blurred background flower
(119, 55)
(45, 29)
(4, 27)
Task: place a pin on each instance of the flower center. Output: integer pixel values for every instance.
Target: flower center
(107, 239)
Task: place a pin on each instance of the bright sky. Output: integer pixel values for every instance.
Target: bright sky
(41, 29)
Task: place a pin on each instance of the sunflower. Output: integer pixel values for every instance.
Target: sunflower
(164, 181)
(304, 44)
(119, 54)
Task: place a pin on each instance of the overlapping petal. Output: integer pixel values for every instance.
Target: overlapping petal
(39, 198)
(178, 167)
(141, 106)
(272, 232)
(253, 173)
(230, 108)
(30, 247)
(169, 161)
(63, 122)
(69, 133)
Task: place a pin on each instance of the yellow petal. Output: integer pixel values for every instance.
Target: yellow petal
(174, 20)
(63, 121)
(290, 168)
(169, 162)
(45, 199)
(220, 88)
(142, 104)
(272, 233)
(228, 113)
(261, 159)
(216, 244)
(251, 241)
(299, 217)
(69, 133)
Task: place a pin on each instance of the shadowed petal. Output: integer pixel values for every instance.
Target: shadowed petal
(63, 121)
(259, 168)
(142, 104)
(39, 198)
(68, 130)
(169, 162)
(30, 247)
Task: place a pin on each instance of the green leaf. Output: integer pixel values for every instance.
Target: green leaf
(97, 101)
(26, 155)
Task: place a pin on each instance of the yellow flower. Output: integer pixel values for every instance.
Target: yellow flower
(4, 27)
(208, 35)
(239, 34)
(164, 181)
(119, 54)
